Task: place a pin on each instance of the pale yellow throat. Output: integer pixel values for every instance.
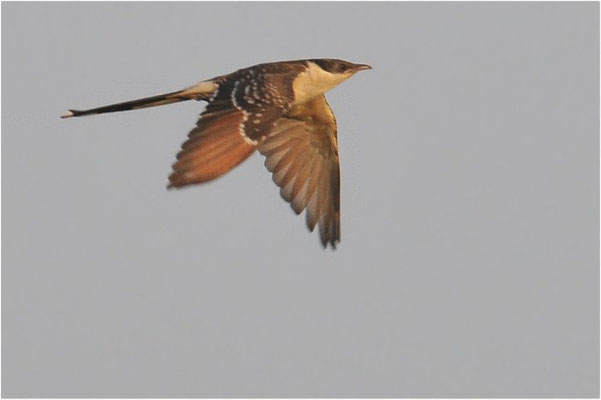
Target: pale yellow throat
(314, 82)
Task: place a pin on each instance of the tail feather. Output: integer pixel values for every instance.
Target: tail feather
(201, 91)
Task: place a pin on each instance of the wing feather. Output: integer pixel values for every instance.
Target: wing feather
(213, 148)
(301, 151)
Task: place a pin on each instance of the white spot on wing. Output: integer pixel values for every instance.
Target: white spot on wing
(241, 129)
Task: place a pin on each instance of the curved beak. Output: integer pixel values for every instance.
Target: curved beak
(361, 67)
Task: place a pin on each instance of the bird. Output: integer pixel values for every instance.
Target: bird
(278, 108)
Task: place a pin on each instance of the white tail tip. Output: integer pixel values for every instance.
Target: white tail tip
(68, 114)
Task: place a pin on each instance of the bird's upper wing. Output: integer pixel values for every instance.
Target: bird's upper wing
(238, 116)
(301, 151)
(214, 146)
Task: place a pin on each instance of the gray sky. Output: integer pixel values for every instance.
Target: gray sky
(469, 157)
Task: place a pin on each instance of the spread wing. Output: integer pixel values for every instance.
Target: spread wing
(236, 119)
(301, 151)
(215, 146)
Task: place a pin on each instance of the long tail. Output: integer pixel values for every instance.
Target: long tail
(201, 91)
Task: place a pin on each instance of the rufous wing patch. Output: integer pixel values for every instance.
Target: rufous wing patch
(213, 148)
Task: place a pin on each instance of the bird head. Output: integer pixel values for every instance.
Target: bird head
(339, 67)
(321, 75)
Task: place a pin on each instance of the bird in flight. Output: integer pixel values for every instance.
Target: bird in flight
(278, 109)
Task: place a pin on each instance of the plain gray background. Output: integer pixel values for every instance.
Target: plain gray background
(469, 261)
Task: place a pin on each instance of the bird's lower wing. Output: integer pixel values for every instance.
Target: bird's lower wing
(302, 153)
